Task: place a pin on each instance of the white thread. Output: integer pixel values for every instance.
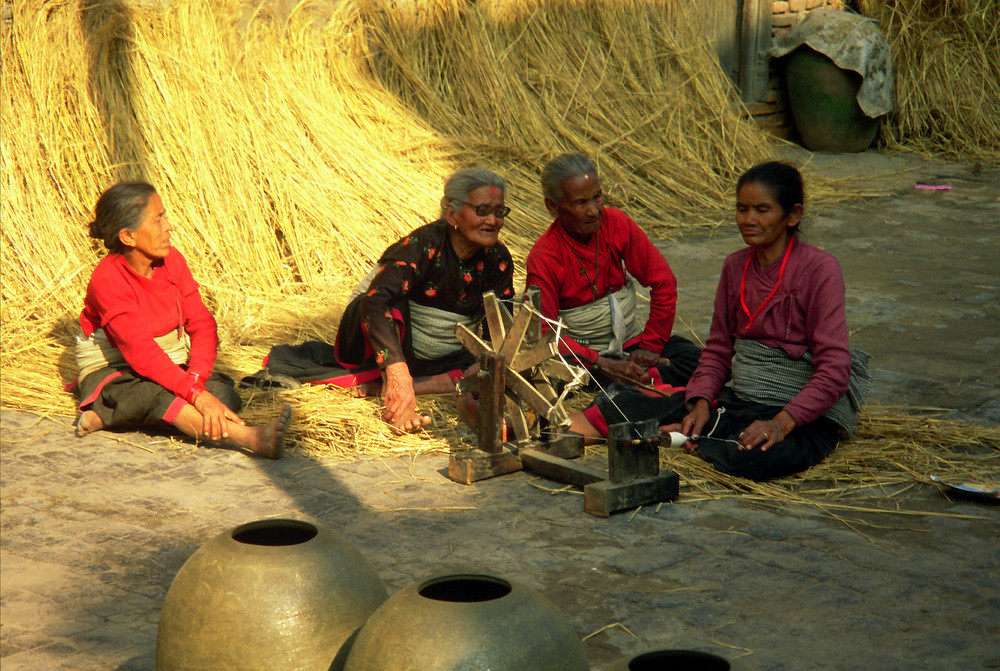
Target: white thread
(677, 439)
(674, 435)
(557, 326)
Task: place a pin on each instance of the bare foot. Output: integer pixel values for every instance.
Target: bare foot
(409, 421)
(373, 388)
(272, 437)
(87, 423)
(468, 409)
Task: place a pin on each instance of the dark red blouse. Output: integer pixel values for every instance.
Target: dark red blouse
(563, 268)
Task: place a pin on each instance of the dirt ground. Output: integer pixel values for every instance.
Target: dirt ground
(94, 530)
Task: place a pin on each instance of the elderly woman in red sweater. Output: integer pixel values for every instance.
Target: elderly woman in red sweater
(584, 265)
(149, 343)
(778, 338)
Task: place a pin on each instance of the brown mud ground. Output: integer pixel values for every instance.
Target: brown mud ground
(94, 530)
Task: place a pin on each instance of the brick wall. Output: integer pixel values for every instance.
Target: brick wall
(772, 114)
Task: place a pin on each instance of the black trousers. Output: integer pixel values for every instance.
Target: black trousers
(129, 399)
(803, 447)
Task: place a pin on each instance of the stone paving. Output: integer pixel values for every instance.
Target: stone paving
(94, 530)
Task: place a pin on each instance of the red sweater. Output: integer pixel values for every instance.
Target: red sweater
(620, 245)
(806, 313)
(132, 310)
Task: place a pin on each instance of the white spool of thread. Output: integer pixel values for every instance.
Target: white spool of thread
(677, 439)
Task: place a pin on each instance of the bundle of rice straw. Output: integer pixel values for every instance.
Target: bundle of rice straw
(631, 83)
(947, 75)
(291, 152)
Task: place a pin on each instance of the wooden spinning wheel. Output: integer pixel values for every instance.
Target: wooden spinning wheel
(515, 371)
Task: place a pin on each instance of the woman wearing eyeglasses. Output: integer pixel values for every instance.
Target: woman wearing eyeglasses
(400, 323)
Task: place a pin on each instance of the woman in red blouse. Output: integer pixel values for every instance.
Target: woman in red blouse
(149, 343)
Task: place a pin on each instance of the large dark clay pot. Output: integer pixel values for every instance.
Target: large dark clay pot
(824, 103)
(271, 594)
(467, 623)
(671, 660)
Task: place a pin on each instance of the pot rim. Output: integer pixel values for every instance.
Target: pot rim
(253, 533)
(439, 587)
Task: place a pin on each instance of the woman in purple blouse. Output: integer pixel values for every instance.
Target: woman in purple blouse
(770, 396)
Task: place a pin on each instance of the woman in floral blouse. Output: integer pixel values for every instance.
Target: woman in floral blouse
(402, 316)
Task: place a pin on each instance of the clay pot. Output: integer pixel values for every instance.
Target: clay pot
(824, 103)
(467, 622)
(270, 594)
(671, 660)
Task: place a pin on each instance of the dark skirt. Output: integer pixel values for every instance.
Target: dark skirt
(803, 447)
(351, 361)
(122, 397)
(353, 349)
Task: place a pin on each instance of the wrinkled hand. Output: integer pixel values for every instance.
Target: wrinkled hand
(764, 434)
(644, 358)
(400, 401)
(214, 416)
(694, 422)
(624, 368)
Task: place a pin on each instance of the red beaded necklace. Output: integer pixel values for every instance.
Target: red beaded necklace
(743, 282)
(597, 268)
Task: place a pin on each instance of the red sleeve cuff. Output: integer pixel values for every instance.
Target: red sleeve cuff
(596, 419)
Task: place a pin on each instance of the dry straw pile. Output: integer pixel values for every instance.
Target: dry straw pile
(631, 83)
(291, 149)
(947, 69)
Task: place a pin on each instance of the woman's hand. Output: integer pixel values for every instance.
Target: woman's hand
(644, 358)
(214, 416)
(765, 433)
(694, 422)
(400, 401)
(623, 368)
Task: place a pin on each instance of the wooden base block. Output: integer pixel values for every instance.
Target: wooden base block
(606, 498)
(567, 445)
(472, 465)
(561, 470)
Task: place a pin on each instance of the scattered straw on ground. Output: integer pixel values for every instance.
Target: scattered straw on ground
(891, 452)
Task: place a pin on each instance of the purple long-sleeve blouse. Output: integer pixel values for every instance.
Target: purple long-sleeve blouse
(806, 313)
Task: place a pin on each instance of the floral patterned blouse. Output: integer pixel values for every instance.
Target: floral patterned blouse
(423, 268)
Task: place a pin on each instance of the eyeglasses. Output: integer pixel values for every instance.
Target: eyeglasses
(484, 210)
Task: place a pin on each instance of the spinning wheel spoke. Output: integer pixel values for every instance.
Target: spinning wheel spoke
(524, 383)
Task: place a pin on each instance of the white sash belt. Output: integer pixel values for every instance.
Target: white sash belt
(97, 352)
(432, 331)
(606, 324)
